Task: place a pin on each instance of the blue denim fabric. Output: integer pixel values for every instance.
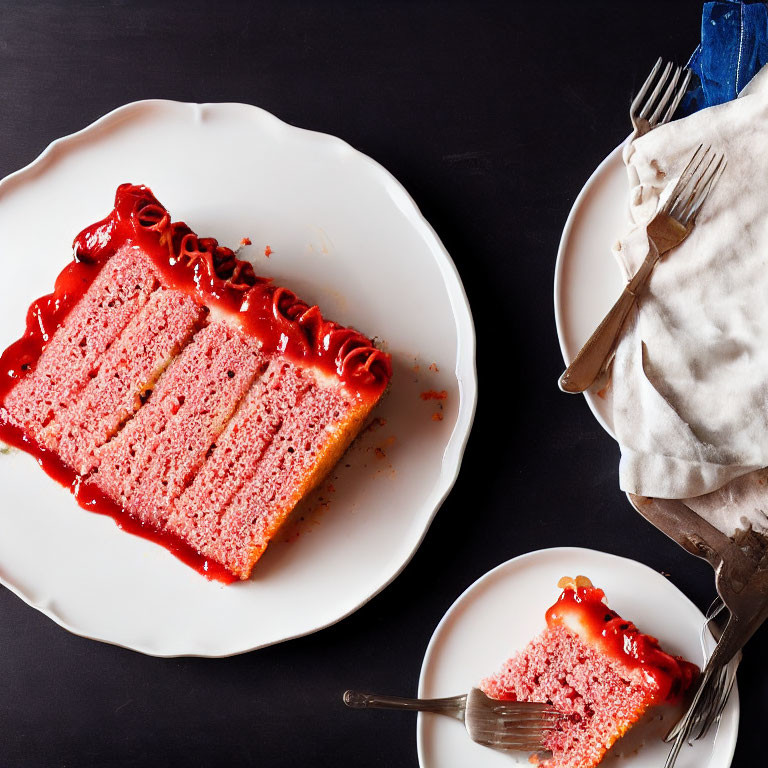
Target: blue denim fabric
(734, 46)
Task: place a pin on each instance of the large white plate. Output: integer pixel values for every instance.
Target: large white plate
(587, 278)
(504, 609)
(344, 234)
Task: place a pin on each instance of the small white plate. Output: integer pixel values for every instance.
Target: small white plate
(343, 234)
(503, 610)
(587, 278)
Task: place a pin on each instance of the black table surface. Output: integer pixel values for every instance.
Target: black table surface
(493, 115)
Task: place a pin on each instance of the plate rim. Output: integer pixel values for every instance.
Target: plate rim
(733, 699)
(559, 280)
(466, 344)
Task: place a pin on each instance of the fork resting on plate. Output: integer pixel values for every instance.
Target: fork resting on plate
(668, 228)
(506, 725)
(654, 105)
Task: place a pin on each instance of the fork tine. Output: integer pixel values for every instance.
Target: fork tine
(515, 725)
(706, 188)
(525, 717)
(678, 97)
(688, 174)
(638, 100)
(514, 721)
(675, 751)
(655, 93)
(725, 684)
(512, 730)
(701, 714)
(683, 204)
(525, 712)
(686, 722)
(664, 100)
(511, 741)
(523, 707)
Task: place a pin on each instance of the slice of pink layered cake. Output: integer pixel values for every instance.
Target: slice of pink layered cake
(164, 377)
(594, 667)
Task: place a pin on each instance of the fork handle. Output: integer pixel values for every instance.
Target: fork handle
(454, 705)
(595, 354)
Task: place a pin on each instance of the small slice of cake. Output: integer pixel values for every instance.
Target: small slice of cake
(594, 667)
(163, 380)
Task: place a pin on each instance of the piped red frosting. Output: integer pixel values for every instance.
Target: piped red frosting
(217, 278)
(583, 611)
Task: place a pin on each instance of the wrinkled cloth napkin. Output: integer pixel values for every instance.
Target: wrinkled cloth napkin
(690, 376)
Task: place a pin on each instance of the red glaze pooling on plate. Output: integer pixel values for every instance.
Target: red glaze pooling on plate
(89, 497)
(216, 278)
(583, 611)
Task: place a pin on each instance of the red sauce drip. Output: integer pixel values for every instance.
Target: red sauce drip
(89, 497)
(216, 278)
(600, 626)
(43, 317)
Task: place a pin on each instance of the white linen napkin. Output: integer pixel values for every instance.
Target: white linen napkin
(690, 376)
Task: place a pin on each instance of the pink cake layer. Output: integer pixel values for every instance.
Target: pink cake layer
(74, 353)
(149, 462)
(251, 519)
(196, 515)
(602, 697)
(131, 367)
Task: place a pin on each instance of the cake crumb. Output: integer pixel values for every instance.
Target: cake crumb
(433, 367)
(268, 251)
(246, 241)
(437, 416)
(603, 392)
(433, 394)
(375, 424)
(379, 451)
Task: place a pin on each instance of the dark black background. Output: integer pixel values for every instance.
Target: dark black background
(492, 114)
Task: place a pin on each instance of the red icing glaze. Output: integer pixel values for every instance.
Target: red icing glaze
(598, 625)
(211, 273)
(43, 317)
(217, 278)
(89, 497)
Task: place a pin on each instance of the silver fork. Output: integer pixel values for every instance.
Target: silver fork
(740, 563)
(653, 106)
(648, 111)
(699, 719)
(668, 228)
(505, 725)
